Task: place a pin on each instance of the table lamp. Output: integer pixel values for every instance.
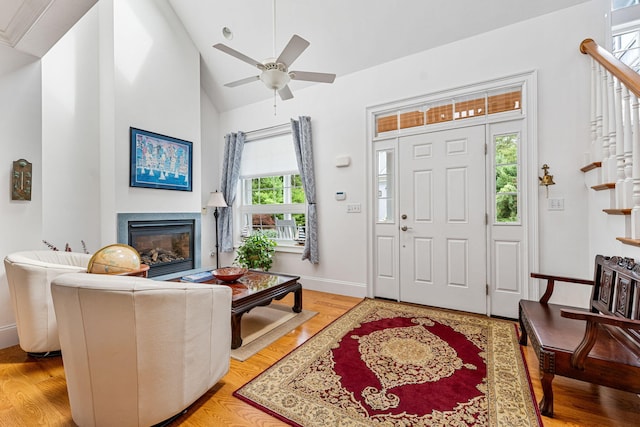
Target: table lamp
(216, 200)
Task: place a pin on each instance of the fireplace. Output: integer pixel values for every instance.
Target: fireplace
(168, 243)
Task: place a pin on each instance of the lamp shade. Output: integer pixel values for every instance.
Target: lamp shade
(216, 200)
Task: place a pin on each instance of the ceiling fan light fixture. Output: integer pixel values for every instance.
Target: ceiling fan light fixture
(275, 79)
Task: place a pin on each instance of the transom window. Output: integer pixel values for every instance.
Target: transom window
(481, 104)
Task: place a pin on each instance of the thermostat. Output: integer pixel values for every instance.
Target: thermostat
(341, 195)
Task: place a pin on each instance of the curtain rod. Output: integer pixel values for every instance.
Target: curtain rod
(253, 135)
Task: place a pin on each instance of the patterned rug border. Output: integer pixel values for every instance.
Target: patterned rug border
(372, 303)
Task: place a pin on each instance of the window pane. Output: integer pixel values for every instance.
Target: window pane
(440, 113)
(506, 149)
(626, 47)
(507, 208)
(504, 100)
(469, 106)
(385, 210)
(263, 221)
(384, 191)
(621, 4)
(411, 119)
(387, 123)
(507, 179)
(274, 198)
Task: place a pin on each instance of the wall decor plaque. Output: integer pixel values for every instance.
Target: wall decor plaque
(21, 180)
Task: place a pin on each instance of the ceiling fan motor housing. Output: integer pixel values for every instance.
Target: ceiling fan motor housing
(275, 75)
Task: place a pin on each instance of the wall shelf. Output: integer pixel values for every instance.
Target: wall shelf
(606, 186)
(591, 166)
(617, 211)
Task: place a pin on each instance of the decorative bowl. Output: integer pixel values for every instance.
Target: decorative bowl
(229, 274)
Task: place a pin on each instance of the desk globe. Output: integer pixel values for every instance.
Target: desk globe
(114, 259)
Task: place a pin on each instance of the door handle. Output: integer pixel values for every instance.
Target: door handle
(405, 228)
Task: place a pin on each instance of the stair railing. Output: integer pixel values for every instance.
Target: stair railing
(615, 128)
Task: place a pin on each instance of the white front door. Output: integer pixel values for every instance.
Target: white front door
(442, 219)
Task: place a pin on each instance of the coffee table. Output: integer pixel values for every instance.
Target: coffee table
(258, 288)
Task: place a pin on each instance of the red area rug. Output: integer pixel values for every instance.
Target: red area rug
(393, 364)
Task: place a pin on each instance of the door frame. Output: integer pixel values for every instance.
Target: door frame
(528, 114)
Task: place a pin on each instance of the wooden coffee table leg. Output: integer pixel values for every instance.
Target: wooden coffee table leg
(236, 338)
(297, 299)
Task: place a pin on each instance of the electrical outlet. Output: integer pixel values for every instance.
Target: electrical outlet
(353, 208)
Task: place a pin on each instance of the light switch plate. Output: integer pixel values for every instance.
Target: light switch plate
(556, 204)
(353, 208)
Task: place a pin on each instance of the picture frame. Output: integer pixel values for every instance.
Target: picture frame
(160, 161)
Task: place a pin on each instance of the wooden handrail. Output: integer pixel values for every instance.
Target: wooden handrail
(622, 71)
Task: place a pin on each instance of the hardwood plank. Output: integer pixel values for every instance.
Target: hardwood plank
(33, 391)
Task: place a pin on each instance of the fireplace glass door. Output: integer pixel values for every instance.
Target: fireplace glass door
(166, 246)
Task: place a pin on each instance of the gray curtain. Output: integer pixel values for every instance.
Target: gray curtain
(233, 144)
(304, 153)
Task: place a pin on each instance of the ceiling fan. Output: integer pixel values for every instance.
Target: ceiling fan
(275, 72)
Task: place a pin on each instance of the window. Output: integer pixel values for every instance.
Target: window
(621, 4)
(385, 184)
(448, 110)
(625, 31)
(268, 200)
(506, 178)
(271, 195)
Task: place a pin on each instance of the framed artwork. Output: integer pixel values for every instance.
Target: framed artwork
(160, 161)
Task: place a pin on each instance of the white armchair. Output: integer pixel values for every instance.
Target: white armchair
(137, 351)
(29, 276)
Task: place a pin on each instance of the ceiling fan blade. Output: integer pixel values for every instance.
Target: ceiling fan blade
(292, 50)
(241, 56)
(243, 81)
(285, 93)
(312, 77)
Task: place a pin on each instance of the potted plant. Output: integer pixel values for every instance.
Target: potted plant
(256, 252)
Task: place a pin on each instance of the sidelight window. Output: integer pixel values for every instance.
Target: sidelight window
(507, 191)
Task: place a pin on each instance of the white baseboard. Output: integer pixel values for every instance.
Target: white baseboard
(351, 289)
(8, 336)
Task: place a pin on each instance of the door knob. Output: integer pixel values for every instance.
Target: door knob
(405, 228)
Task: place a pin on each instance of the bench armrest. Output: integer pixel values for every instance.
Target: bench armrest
(604, 319)
(551, 283)
(591, 331)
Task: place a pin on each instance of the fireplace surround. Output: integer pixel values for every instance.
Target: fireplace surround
(167, 242)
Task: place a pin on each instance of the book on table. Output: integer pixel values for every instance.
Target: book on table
(198, 277)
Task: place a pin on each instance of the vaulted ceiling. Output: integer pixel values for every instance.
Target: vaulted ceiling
(345, 35)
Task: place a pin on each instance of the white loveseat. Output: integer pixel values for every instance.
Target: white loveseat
(136, 351)
(29, 276)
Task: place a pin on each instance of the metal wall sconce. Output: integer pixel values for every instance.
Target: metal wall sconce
(21, 175)
(546, 179)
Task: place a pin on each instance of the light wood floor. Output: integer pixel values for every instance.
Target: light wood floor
(33, 391)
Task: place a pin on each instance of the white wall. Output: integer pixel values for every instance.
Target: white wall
(210, 176)
(156, 87)
(20, 127)
(71, 139)
(548, 44)
(125, 64)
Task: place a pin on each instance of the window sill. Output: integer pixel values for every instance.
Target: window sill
(289, 247)
(283, 247)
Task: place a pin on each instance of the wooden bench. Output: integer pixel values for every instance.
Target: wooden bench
(600, 345)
